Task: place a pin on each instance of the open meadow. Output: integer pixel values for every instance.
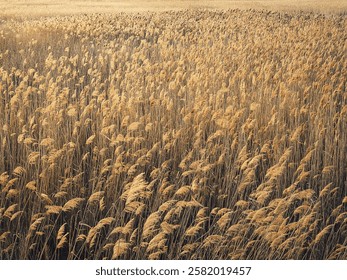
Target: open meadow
(200, 130)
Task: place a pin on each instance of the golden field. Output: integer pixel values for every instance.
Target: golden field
(190, 134)
(62, 7)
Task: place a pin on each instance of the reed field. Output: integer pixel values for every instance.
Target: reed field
(188, 134)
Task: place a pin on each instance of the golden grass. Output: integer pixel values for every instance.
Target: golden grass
(190, 134)
(20, 8)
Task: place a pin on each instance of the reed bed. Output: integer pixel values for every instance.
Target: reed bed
(174, 135)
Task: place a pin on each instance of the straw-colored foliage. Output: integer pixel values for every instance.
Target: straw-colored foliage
(174, 135)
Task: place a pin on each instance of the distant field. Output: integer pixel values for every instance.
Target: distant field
(39, 7)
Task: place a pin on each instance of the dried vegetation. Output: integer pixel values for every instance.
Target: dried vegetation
(176, 135)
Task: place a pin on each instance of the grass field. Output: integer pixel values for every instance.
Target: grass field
(173, 133)
(49, 7)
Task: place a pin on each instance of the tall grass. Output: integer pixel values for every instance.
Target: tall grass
(175, 135)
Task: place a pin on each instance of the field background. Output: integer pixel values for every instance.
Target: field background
(44, 7)
(173, 130)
